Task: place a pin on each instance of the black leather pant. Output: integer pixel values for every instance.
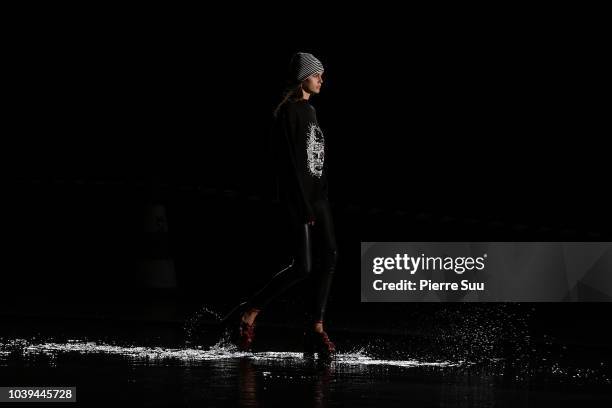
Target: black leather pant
(315, 256)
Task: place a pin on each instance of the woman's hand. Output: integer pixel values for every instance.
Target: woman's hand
(311, 220)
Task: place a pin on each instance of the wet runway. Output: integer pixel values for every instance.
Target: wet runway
(108, 362)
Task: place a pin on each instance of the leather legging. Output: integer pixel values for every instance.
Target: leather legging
(315, 257)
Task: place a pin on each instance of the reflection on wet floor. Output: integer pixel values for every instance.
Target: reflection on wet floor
(220, 375)
(220, 351)
(464, 356)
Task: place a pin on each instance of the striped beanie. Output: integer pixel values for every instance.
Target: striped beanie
(303, 65)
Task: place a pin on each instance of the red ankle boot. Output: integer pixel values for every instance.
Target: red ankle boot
(315, 342)
(247, 335)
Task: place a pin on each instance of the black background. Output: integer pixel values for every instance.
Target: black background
(436, 132)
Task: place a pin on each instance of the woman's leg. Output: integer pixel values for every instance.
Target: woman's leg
(297, 271)
(326, 253)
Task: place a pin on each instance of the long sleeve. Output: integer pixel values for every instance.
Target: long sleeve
(294, 146)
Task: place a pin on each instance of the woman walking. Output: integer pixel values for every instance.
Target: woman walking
(299, 147)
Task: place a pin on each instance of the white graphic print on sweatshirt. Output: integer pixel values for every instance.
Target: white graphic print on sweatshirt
(315, 150)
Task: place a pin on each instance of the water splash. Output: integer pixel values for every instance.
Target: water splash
(198, 324)
(223, 349)
(477, 332)
(542, 368)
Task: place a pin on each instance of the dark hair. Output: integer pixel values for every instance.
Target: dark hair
(292, 94)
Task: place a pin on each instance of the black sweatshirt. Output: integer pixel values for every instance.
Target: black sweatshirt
(299, 148)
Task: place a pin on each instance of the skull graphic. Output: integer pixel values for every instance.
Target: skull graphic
(315, 150)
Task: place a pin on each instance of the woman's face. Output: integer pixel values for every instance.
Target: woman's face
(312, 84)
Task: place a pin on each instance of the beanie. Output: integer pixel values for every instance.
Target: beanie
(303, 65)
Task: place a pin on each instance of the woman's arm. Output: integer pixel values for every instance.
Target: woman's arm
(290, 136)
